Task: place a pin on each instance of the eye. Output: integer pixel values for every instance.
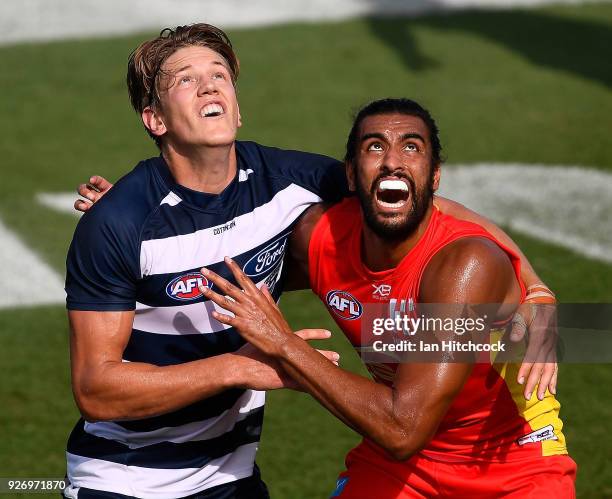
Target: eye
(219, 76)
(375, 147)
(185, 79)
(411, 147)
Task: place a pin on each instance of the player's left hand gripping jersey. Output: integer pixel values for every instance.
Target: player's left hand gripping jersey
(141, 247)
(489, 419)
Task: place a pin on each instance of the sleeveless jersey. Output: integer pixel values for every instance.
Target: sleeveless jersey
(489, 420)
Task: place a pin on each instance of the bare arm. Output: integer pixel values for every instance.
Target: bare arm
(457, 210)
(105, 388)
(296, 262)
(402, 418)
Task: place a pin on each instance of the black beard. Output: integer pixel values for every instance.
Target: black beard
(402, 229)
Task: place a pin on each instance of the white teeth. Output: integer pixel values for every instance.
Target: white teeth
(384, 204)
(211, 110)
(392, 185)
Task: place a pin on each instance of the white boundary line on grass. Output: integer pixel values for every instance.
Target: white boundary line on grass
(565, 206)
(25, 279)
(31, 20)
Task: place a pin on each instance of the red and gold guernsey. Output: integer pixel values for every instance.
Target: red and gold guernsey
(489, 420)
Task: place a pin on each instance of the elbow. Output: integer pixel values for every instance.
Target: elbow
(404, 449)
(91, 407)
(406, 442)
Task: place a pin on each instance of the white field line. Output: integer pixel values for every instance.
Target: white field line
(29, 20)
(25, 280)
(565, 206)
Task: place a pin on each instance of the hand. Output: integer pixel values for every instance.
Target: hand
(92, 192)
(261, 372)
(256, 316)
(539, 366)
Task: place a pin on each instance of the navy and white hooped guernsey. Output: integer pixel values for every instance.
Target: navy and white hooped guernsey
(140, 248)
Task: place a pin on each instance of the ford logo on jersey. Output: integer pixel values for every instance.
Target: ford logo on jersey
(344, 305)
(185, 287)
(266, 258)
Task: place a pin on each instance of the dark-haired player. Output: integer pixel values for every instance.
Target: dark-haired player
(445, 429)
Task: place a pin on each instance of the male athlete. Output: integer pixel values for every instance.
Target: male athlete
(168, 393)
(169, 396)
(445, 429)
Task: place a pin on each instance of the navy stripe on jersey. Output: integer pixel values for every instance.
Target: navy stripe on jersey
(212, 406)
(167, 455)
(169, 349)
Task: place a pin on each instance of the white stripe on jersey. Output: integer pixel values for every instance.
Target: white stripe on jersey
(193, 318)
(202, 248)
(200, 430)
(148, 483)
(172, 199)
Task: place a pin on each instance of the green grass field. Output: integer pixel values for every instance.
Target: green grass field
(523, 86)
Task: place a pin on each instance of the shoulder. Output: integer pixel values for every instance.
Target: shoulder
(282, 159)
(470, 269)
(131, 200)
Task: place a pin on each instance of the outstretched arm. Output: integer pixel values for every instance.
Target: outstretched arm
(402, 418)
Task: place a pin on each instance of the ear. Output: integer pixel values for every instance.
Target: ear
(239, 116)
(349, 168)
(153, 121)
(436, 177)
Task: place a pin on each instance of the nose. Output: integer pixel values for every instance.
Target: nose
(207, 87)
(392, 160)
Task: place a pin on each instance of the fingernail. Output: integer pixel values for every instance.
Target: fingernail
(92, 179)
(227, 259)
(528, 396)
(521, 380)
(90, 197)
(328, 333)
(553, 390)
(204, 270)
(336, 357)
(204, 289)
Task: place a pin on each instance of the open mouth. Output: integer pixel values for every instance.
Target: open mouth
(392, 193)
(211, 110)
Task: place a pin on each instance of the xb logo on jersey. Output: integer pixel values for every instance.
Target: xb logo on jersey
(185, 287)
(344, 305)
(381, 290)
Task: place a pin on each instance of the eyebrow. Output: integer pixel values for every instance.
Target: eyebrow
(406, 136)
(189, 66)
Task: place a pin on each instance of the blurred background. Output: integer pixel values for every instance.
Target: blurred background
(520, 90)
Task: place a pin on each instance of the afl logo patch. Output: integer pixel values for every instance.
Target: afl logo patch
(344, 305)
(265, 259)
(185, 287)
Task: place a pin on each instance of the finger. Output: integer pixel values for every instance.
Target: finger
(519, 327)
(552, 386)
(223, 284)
(81, 205)
(223, 301)
(330, 355)
(266, 292)
(547, 373)
(241, 278)
(532, 380)
(313, 334)
(227, 319)
(523, 372)
(100, 183)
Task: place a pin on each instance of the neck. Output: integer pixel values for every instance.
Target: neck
(380, 254)
(204, 169)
